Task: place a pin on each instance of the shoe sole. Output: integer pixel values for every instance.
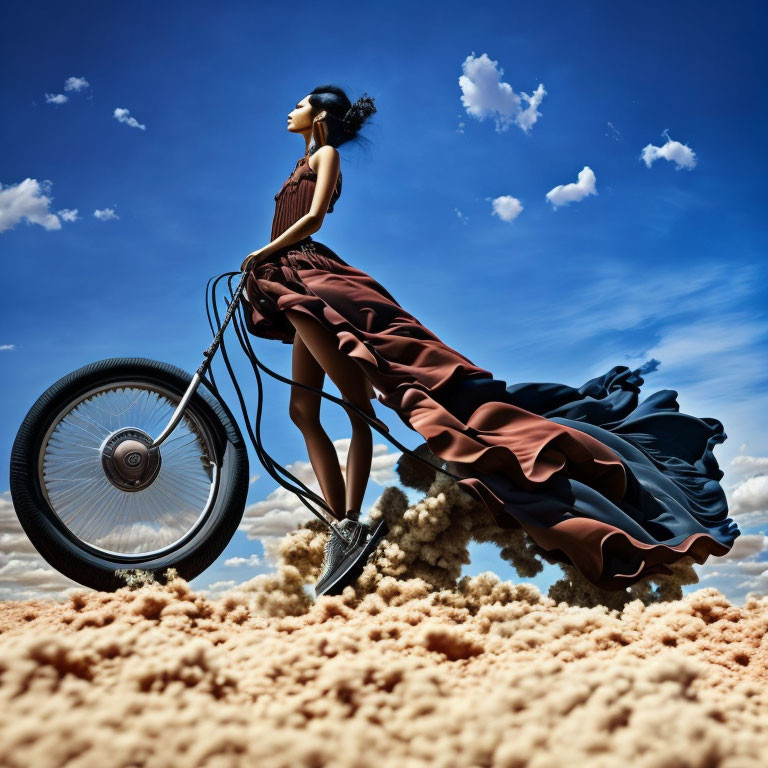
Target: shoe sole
(352, 565)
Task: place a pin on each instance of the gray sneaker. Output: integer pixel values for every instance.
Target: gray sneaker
(335, 551)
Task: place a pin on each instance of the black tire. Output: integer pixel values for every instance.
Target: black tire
(89, 565)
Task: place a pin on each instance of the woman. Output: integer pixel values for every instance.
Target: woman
(614, 488)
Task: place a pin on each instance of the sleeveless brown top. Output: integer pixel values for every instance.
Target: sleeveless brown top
(295, 197)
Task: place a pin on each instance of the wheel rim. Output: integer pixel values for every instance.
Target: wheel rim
(120, 523)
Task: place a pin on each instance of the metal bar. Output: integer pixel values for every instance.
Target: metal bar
(179, 412)
(208, 354)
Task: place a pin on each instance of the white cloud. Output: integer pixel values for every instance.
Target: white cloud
(750, 567)
(483, 94)
(281, 512)
(75, 84)
(680, 154)
(506, 207)
(758, 587)
(27, 200)
(747, 556)
(72, 84)
(461, 217)
(235, 562)
(4, 347)
(105, 214)
(747, 545)
(744, 559)
(24, 574)
(382, 461)
(217, 588)
(123, 116)
(68, 214)
(563, 194)
(750, 465)
(749, 501)
(613, 132)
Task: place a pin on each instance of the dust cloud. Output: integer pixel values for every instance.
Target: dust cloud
(413, 666)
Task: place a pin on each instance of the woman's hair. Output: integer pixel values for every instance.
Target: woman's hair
(344, 118)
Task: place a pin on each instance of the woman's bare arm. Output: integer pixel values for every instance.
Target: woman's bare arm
(328, 167)
(328, 164)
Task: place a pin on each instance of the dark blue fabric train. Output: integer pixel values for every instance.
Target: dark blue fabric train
(674, 505)
(615, 488)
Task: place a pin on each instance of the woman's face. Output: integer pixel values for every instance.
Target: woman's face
(300, 120)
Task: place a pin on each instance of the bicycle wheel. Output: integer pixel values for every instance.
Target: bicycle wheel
(92, 497)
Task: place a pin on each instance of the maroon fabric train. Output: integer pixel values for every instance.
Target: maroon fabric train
(615, 488)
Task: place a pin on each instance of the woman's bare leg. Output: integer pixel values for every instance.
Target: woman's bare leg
(354, 387)
(305, 413)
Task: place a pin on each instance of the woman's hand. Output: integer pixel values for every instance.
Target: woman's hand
(253, 259)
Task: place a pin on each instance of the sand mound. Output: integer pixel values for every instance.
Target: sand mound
(411, 667)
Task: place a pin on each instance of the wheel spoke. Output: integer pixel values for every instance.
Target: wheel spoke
(112, 517)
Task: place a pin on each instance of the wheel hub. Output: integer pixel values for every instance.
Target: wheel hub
(128, 461)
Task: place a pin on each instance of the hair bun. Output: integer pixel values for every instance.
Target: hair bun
(358, 113)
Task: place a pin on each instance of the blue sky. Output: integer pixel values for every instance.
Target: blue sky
(618, 218)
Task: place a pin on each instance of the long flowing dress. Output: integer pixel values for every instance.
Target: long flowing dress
(617, 488)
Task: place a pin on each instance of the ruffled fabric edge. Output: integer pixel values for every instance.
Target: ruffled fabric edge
(565, 521)
(263, 318)
(497, 437)
(674, 505)
(573, 462)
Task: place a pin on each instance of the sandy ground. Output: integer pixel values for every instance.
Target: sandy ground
(411, 667)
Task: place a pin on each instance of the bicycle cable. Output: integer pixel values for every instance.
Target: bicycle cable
(271, 466)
